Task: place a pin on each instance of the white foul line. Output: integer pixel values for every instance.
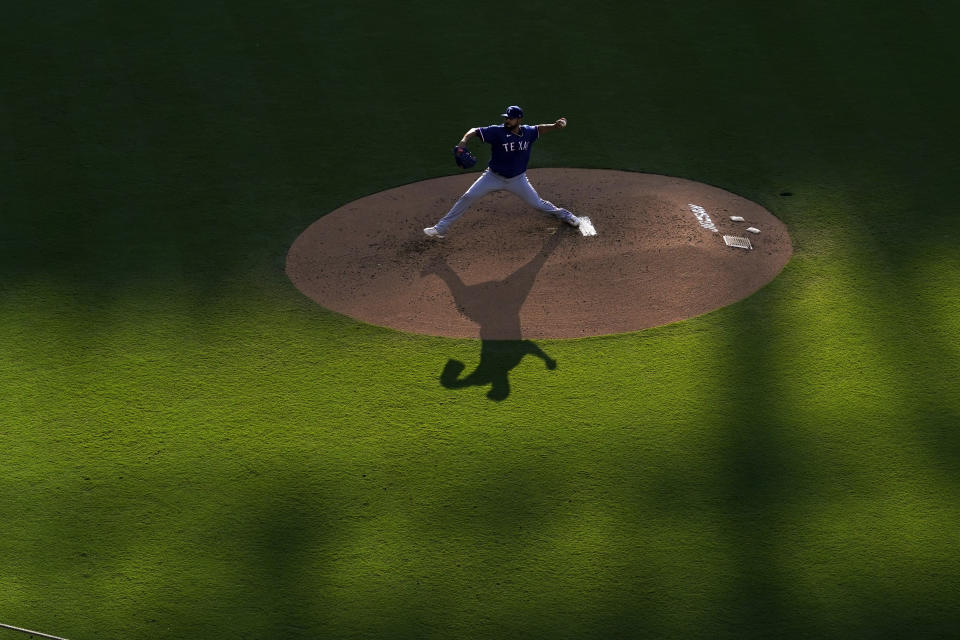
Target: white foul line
(33, 633)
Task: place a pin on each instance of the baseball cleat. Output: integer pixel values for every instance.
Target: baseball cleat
(570, 219)
(433, 233)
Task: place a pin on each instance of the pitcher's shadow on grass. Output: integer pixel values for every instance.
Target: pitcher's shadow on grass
(495, 306)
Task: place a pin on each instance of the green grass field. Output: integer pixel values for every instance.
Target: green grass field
(193, 449)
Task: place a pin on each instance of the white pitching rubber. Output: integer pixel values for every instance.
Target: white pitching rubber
(586, 227)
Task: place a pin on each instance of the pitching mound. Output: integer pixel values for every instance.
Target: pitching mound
(508, 272)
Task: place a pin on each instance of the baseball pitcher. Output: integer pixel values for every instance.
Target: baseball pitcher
(510, 145)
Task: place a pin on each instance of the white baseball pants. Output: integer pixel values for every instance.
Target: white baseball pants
(489, 182)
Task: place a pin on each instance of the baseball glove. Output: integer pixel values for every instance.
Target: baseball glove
(464, 158)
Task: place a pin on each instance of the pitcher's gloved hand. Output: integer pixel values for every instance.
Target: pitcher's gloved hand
(464, 158)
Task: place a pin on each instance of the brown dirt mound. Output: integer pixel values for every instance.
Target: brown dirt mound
(508, 272)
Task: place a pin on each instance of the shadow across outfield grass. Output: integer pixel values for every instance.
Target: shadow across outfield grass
(495, 306)
(497, 359)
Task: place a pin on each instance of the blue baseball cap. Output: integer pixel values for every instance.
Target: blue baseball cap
(513, 111)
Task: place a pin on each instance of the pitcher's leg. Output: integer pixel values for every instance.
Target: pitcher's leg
(487, 182)
(528, 194)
